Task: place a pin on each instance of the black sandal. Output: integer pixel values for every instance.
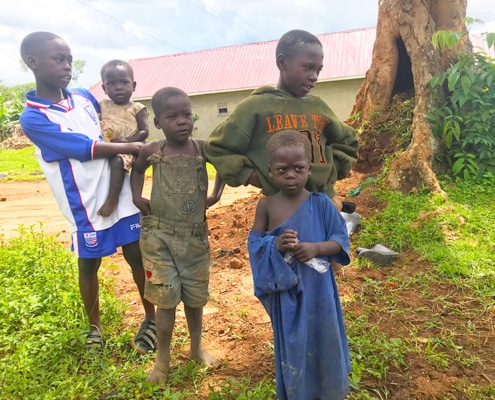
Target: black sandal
(145, 340)
(94, 341)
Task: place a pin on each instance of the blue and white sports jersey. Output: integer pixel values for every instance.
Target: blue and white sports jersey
(64, 135)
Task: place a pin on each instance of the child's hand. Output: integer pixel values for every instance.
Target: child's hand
(286, 241)
(253, 180)
(143, 205)
(305, 251)
(136, 147)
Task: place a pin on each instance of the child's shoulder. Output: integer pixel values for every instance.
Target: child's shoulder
(200, 143)
(268, 201)
(198, 140)
(105, 102)
(136, 105)
(321, 197)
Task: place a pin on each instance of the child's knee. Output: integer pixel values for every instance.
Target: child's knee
(116, 163)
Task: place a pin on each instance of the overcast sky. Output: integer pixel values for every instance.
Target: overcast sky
(100, 30)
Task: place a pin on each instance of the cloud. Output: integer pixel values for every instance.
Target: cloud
(99, 30)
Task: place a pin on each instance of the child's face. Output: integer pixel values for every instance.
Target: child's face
(176, 120)
(299, 73)
(289, 168)
(118, 84)
(52, 64)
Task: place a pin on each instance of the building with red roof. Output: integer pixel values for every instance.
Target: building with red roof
(218, 79)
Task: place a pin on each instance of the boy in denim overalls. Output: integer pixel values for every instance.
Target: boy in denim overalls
(174, 233)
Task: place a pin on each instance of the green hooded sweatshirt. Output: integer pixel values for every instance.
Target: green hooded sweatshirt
(237, 146)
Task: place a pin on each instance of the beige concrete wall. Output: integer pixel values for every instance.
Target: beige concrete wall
(340, 96)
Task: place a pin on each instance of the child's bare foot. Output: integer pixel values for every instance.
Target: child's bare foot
(157, 376)
(205, 358)
(108, 208)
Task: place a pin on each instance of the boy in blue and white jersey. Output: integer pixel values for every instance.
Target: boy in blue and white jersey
(64, 127)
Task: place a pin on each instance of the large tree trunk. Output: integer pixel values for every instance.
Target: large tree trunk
(404, 59)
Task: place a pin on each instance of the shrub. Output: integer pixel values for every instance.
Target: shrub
(466, 121)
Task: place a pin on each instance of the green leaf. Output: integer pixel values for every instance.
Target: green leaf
(458, 166)
(490, 39)
(452, 80)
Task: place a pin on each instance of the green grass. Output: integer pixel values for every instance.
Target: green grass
(42, 338)
(452, 277)
(453, 239)
(20, 165)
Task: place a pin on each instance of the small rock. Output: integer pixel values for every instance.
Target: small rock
(236, 264)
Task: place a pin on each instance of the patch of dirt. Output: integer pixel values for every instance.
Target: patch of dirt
(237, 329)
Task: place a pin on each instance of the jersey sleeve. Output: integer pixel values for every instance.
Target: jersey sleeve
(55, 145)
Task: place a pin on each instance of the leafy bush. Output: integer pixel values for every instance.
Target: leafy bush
(12, 101)
(466, 120)
(11, 105)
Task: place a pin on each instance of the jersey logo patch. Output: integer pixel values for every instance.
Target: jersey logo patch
(90, 239)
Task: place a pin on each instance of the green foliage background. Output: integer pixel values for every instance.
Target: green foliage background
(466, 121)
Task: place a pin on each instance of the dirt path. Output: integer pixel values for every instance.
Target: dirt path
(28, 203)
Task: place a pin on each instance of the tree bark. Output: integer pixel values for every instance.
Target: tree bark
(404, 58)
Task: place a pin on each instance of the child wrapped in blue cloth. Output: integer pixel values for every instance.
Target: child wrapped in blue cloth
(310, 343)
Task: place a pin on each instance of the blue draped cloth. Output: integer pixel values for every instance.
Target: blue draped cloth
(311, 352)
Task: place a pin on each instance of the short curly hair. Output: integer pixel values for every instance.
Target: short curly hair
(288, 138)
(162, 96)
(116, 63)
(292, 41)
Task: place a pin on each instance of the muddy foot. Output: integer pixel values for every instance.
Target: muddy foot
(108, 208)
(157, 376)
(205, 358)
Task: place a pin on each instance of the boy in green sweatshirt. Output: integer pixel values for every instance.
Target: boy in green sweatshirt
(237, 147)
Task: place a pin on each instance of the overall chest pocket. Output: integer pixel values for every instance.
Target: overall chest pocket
(179, 179)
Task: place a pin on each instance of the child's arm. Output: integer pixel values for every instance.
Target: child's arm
(336, 237)
(143, 127)
(219, 183)
(137, 178)
(261, 217)
(227, 144)
(106, 150)
(343, 143)
(56, 145)
(305, 251)
(217, 191)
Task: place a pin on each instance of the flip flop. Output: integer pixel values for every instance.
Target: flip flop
(351, 221)
(378, 254)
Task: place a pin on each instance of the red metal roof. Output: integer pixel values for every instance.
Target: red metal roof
(347, 54)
